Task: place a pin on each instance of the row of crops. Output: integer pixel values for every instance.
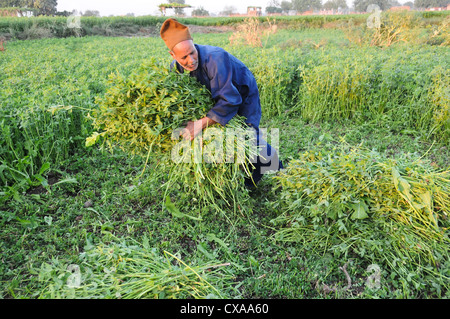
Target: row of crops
(407, 89)
(21, 24)
(335, 198)
(43, 26)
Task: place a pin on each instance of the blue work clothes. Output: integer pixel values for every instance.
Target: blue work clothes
(232, 85)
(234, 90)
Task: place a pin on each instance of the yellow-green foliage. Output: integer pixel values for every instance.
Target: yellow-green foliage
(398, 27)
(139, 113)
(211, 168)
(354, 203)
(348, 184)
(335, 89)
(439, 96)
(128, 270)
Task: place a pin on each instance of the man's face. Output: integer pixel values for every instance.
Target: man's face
(186, 55)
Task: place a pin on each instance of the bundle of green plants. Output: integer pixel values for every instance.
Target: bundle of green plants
(350, 201)
(138, 113)
(125, 269)
(210, 171)
(143, 114)
(349, 183)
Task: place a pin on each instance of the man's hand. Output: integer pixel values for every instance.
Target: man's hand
(194, 128)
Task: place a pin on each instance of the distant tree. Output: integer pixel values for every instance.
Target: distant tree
(393, 3)
(274, 3)
(178, 11)
(306, 5)
(64, 13)
(362, 5)
(335, 4)
(329, 5)
(131, 14)
(173, 5)
(342, 4)
(28, 3)
(10, 3)
(18, 3)
(430, 3)
(286, 6)
(409, 4)
(39, 7)
(46, 7)
(91, 13)
(228, 10)
(200, 12)
(273, 10)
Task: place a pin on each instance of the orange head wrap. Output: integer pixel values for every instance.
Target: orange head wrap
(173, 32)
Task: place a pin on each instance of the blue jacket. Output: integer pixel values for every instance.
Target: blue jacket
(232, 85)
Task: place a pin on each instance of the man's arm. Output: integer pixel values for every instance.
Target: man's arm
(193, 128)
(220, 71)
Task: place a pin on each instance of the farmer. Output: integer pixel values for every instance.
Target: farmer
(232, 86)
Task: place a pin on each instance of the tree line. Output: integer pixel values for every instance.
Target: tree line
(40, 7)
(49, 7)
(285, 6)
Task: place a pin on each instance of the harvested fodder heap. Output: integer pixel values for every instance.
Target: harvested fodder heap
(350, 183)
(348, 200)
(143, 114)
(128, 270)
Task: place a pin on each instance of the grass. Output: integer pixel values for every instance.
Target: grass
(52, 226)
(103, 201)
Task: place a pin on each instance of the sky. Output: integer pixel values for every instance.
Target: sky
(150, 7)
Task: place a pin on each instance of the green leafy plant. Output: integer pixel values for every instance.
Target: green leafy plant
(142, 113)
(212, 168)
(354, 203)
(126, 269)
(406, 89)
(439, 98)
(348, 184)
(139, 113)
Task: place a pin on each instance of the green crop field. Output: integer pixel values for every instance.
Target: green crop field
(360, 211)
